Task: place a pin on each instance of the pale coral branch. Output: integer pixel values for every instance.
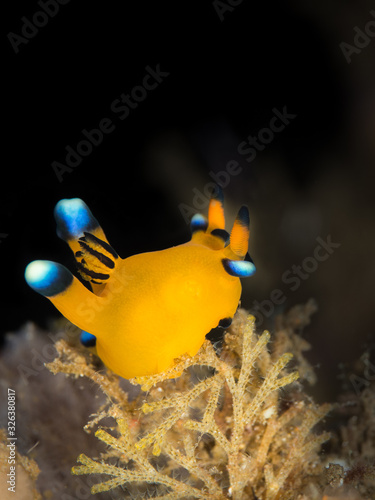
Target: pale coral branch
(69, 361)
(269, 384)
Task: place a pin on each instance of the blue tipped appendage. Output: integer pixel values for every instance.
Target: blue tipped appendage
(73, 218)
(239, 268)
(87, 339)
(198, 223)
(48, 278)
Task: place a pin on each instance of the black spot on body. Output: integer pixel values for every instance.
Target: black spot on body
(225, 322)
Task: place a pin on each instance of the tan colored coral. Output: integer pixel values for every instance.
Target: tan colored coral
(215, 432)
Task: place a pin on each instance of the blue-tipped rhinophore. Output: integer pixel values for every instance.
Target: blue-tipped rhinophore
(48, 278)
(87, 339)
(198, 223)
(73, 218)
(239, 268)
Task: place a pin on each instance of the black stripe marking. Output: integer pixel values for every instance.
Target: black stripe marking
(78, 254)
(221, 233)
(100, 256)
(92, 274)
(104, 244)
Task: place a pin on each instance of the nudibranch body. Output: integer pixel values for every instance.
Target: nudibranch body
(146, 310)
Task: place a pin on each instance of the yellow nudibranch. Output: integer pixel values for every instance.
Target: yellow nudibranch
(145, 311)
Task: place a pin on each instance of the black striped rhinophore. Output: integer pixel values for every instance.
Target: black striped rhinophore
(100, 256)
(90, 238)
(96, 260)
(92, 274)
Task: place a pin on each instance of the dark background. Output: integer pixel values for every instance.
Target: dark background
(225, 77)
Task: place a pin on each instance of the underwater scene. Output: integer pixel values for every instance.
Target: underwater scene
(187, 240)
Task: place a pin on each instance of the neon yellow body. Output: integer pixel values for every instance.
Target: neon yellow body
(161, 305)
